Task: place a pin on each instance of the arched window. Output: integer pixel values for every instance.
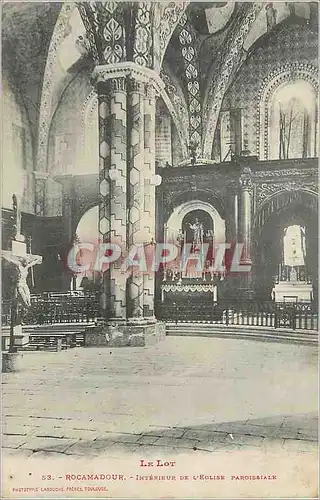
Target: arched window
(292, 121)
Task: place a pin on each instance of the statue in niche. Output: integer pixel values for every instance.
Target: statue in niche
(294, 246)
(198, 231)
(271, 15)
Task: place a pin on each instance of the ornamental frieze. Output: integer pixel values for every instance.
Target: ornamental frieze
(265, 190)
(287, 172)
(207, 176)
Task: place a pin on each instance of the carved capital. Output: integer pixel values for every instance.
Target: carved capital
(245, 179)
(103, 73)
(117, 84)
(136, 86)
(151, 92)
(40, 176)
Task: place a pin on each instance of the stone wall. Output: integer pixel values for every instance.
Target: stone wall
(17, 151)
(73, 140)
(163, 135)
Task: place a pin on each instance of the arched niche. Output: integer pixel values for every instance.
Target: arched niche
(288, 82)
(175, 221)
(283, 209)
(292, 130)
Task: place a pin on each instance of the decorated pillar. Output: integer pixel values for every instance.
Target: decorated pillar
(150, 182)
(126, 94)
(113, 189)
(136, 167)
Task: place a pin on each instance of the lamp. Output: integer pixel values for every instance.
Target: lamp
(156, 180)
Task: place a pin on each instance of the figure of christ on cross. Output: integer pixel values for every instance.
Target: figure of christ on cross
(22, 266)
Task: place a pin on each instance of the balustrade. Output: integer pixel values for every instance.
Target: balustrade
(82, 308)
(263, 314)
(48, 308)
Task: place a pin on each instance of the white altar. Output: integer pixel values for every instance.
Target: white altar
(293, 284)
(293, 291)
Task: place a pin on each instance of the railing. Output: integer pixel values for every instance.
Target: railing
(73, 307)
(49, 308)
(267, 314)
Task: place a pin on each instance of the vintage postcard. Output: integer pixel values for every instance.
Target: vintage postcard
(159, 249)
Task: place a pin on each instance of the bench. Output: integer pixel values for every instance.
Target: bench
(51, 341)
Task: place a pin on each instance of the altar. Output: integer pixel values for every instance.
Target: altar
(192, 279)
(293, 284)
(187, 291)
(293, 292)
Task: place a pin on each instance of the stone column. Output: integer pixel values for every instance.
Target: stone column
(40, 179)
(136, 168)
(236, 214)
(245, 207)
(67, 207)
(113, 189)
(232, 213)
(149, 196)
(127, 200)
(67, 183)
(245, 221)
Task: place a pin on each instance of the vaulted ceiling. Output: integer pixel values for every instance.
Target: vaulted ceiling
(27, 28)
(208, 43)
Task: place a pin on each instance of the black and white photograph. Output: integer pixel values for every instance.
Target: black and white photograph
(159, 267)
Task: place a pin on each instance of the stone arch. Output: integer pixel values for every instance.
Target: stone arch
(279, 201)
(279, 210)
(231, 61)
(89, 125)
(89, 106)
(49, 83)
(80, 216)
(166, 19)
(174, 222)
(204, 195)
(286, 73)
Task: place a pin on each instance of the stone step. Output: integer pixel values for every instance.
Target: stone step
(258, 333)
(54, 328)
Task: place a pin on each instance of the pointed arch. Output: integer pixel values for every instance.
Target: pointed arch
(48, 84)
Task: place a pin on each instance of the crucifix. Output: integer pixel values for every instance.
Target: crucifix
(20, 263)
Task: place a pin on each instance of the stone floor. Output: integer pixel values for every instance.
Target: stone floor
(181, 395)
(226, 418)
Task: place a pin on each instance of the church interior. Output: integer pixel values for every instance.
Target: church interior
(151, 123)
(159, 249)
